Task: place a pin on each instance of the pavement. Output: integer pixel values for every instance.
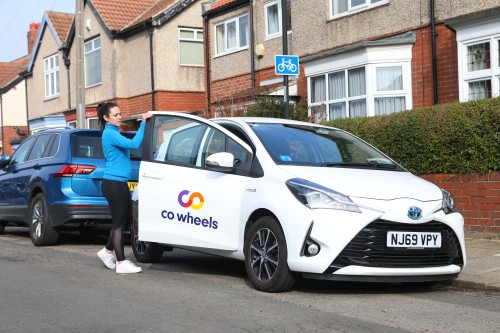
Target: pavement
(483, 264)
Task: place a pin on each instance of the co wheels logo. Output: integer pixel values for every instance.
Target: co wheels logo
(195, 200)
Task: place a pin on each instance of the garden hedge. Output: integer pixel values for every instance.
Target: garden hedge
(448, 138)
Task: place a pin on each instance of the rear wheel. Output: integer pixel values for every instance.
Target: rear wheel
(41, 232)
(2, 227)
(145, 252)
(266, 257)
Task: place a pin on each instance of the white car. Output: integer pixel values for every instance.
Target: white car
(291, 198)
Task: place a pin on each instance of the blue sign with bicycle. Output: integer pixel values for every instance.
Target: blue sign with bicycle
(286, 65)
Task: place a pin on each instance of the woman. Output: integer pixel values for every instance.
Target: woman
(114, 184)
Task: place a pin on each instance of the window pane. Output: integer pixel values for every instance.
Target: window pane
(388, 105)
(389, 78)
(186, 34)
(478, 57)
(479, 90)
(231, 35)
(191, 53)
(219, 30)
(340, 6)
(272, 19)
(318, 89)
(93, 68)
(337, 110)
(357, 108)
(243, 24)
(357, 84)
(336, 85)
(355, 3)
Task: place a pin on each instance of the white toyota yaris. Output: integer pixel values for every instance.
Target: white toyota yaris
(290, 198)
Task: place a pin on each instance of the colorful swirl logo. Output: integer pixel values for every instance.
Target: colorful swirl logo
(190, 202)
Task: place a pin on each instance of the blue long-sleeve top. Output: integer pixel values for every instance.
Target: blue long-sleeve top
(117, 152)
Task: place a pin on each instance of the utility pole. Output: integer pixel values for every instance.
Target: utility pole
(80, 75)
(284, 38)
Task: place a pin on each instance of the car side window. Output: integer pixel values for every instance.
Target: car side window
(177, 140)
(22, 151)
(40, 146)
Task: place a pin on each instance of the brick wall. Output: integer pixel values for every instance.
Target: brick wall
(477, 197)
(447, 68)
(10, 133)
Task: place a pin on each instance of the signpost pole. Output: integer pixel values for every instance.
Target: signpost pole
(284, 37)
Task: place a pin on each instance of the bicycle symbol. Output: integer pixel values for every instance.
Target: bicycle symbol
(287, 64)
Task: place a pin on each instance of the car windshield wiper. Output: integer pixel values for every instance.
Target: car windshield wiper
(360, 165)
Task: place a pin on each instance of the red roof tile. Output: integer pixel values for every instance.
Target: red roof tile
(120, 14)
(220, 3)
(61, 23)
(9, 71)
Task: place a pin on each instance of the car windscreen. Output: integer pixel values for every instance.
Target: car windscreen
(309, 145)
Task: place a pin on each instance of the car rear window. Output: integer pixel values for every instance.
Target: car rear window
(87, 144)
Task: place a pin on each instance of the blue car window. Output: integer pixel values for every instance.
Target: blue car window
(87, 144)
(41, 144)
(22, 151)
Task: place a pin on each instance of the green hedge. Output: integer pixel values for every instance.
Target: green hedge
(449, 138)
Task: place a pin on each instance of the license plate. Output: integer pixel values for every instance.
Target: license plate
(132, 186)
(413, 239)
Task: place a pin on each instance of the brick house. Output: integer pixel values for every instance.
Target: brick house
(141, 54)
(358, 57)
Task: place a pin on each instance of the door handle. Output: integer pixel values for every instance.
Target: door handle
(153, 175)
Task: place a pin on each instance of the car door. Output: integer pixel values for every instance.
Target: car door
(181, 201)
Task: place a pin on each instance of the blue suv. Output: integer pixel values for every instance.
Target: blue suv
(53, 182)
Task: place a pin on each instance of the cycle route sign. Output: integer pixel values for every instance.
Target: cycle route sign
(286, 65)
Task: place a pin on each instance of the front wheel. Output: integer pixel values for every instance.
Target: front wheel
(266, 257)
(2, 227)
(41, 232)
(145, 252)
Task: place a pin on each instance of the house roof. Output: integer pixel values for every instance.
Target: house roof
(9, 71)
(61, 23)
(220, 3)
(118, 15)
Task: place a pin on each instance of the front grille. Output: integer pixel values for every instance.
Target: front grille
(369, 248)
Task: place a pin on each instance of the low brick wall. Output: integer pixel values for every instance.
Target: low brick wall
(477, 197)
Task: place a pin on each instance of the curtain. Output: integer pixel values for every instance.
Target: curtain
(357, 108)
(336, 86)
(357, 83)
(388, 105)
(479, 90)
(337, 110)
(231, 35)
(219, 31)
(243, 24)
(340, 6)
(389, 78)
(272, 19)
(318, 89)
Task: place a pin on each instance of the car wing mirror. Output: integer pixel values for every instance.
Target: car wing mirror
(4, 161)
(222, 162)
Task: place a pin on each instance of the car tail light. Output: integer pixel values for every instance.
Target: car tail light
(74, 169)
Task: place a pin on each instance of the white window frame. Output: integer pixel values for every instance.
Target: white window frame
(266, 7)
(355, 9)
(72, 123)
(51, 75)
(96, 119)
(370, 58)
(238, 46)
(198, 38)
(469, 35)
(92, 50)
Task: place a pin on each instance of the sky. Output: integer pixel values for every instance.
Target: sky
(15, 19)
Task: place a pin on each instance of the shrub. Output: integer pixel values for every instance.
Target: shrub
(273, 108)
(447, 138)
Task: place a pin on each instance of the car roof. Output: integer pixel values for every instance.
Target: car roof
(265, 120)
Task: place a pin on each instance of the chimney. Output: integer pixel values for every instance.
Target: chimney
(32, 34)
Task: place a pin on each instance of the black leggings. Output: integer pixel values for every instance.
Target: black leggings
(120, 206)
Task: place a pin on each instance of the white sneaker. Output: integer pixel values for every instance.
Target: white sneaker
(127, 267)
(109, 259)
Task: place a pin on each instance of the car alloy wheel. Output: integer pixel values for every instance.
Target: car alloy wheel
(41, 232)
(266, 256)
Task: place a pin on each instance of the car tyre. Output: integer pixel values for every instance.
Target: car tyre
(41, 232)
(145, 252)
(266, 257)
(2, 227)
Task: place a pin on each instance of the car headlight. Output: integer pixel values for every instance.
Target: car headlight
(448, 202)
(315, 196)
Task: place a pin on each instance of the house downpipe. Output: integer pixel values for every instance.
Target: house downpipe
(207, 61)
(151, 60)
(433, 48)
(252, 42)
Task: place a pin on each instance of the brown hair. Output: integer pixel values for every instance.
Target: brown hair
(103, 110)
